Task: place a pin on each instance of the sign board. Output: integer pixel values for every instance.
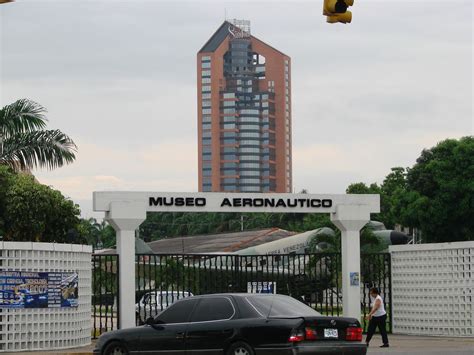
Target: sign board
(25, 289)
(355, 278)
(235, 202)
(261, 287)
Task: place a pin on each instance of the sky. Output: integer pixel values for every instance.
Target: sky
(119, 77)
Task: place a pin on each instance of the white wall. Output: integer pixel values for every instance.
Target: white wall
(47, 328)
(433, 289)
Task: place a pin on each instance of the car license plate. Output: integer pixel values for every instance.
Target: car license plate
(330, 333)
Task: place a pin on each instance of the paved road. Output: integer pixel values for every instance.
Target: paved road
(416, 345)
(399, 344)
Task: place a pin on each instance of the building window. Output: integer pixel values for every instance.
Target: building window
(206, 96)
(249, 112)
(229, 157)
(228, 126)
(249, 173)
(249, 119)
(229, 165)
(206, 118)
(229, 95)
(228, 141)
(206, 65)
(229, 172)
(206, 80)
(206, 111)
(206, 103)
(206, 73)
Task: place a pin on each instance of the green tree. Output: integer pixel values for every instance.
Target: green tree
(24, 144)
(35, 212)
(7, 177)
(439, 198)
(393, 186)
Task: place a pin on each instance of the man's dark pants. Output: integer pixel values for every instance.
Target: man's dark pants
(373, 324)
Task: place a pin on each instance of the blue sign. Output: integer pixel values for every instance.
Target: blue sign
(355, 279)
(261, 287)
(25, 289)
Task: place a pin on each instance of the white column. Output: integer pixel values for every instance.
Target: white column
(126, 217)
(350, 219)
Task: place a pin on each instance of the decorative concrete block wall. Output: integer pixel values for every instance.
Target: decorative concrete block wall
(47, 328)
(433, 289)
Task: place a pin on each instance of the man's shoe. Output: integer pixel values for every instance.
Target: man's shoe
(384, 346)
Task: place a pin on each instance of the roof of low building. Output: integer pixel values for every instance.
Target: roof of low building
(217, 243)
(214, 243)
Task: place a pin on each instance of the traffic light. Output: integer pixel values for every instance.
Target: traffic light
(336, 11)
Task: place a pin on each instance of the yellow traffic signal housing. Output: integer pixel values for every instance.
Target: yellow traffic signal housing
(336, 11)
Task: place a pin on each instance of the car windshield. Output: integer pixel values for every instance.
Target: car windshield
(277, 306)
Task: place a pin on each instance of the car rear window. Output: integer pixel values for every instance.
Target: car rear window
(276, 306)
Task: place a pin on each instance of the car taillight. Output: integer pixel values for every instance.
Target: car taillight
(310, 333)
(296, 336)
(354, 334)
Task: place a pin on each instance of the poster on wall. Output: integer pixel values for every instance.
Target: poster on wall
(25, 289)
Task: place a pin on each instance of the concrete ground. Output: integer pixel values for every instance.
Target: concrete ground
(418, 345)
(399, 344)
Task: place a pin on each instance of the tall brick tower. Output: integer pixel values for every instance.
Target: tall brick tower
(244, 113)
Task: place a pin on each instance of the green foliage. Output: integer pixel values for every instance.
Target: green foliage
(24, 144)
(7, 177)
(435, 196)
(440, 192)
(35, 212)
(99, 235)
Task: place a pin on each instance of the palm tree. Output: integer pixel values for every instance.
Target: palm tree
(25, 144)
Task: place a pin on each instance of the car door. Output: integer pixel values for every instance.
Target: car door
(167, 335)
(211, 327)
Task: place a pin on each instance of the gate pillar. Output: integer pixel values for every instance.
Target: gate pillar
(125, 217)
(350, 219)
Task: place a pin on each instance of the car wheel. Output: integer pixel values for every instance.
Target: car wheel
(240, 348)
(115, 348)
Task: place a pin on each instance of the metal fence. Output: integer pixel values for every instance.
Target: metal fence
(105, 296)
(162, 278)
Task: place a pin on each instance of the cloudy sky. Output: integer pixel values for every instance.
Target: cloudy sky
(120, 78)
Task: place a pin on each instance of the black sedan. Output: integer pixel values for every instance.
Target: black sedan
(237, 324)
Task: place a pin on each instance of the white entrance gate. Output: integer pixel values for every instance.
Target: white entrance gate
(125, 211)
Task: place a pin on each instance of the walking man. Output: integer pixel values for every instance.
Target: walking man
(377, 317)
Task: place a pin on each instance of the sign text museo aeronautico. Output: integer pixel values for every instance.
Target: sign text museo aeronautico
(242, 202)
